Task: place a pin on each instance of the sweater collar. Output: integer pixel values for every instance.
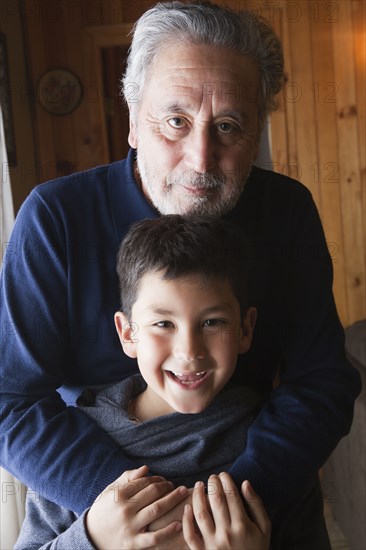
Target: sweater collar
(127, 202)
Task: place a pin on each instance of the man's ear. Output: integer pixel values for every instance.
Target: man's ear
(132, 136)
(247, 329)
(127, 334)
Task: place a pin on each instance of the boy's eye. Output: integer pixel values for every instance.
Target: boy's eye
(164, 324)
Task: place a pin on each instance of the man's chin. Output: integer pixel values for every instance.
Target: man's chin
(204, 206)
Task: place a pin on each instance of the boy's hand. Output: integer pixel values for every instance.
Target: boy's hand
(119, 516)
(222, 520)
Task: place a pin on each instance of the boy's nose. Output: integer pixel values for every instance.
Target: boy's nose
(189, 347)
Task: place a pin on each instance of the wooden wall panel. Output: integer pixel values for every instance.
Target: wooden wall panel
(88, 119)
(37, 66)
(325, 127)
(349, 161)
(318, 132)
(299, 94)
(326, 171)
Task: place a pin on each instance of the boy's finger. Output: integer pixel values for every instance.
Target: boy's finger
(217, 496)
(189, 532)
(201, 510)
(256, 507)
(234, 503)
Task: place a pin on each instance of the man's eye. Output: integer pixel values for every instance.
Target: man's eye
(225, 127)
(213, 322)
(177, 122)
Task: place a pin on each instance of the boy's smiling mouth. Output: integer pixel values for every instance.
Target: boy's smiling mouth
(191, 380)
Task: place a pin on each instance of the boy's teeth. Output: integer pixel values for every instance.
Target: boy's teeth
(179, 374)
(189, 378)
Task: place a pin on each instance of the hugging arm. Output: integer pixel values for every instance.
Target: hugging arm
(312, 408)
(39, 436)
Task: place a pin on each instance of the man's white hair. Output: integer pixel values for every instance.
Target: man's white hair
(210, 24)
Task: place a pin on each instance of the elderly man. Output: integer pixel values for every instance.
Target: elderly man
(206, 79)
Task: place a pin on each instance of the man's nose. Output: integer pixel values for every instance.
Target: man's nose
(200, 152)
(189, 346)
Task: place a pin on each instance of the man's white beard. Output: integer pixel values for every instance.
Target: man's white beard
(222, 199)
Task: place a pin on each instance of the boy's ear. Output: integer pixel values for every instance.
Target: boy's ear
(127, 334)
(247, 329)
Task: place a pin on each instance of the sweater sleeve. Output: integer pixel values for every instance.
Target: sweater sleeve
(41, 438)
(312, 408)
(48, 526)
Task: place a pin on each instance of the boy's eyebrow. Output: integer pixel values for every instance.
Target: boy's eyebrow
(159, 310)
(222, 306)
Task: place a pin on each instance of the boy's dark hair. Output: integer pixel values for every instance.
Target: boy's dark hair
(180, 246)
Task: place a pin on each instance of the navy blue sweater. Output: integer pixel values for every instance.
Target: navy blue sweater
(59, 292)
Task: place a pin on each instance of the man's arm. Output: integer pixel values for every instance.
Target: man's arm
(48, 526)
(56, 450)
(312, 408)
(117, 519)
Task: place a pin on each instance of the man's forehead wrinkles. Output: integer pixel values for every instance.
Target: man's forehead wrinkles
(209, 89)
(214, 72)
(183, 89)
(172, 106)
(203, 64)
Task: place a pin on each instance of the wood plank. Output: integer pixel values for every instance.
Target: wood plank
(301, 94)
(112, 12)
(87, 121)
(55, 33)
(327, 170)
(348, 154)
(359, 26)
(279, 144)
(95, 38)
(359, 35)
(36, 59)
(290, 120)
(107, 36)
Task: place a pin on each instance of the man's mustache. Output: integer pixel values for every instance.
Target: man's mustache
(200, 181)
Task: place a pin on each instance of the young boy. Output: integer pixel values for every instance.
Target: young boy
(185, 318)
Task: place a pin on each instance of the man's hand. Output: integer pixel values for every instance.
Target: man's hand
(119, 516)
(222, 520)
(173, 515)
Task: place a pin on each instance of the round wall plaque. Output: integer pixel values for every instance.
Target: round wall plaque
(59, 91)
